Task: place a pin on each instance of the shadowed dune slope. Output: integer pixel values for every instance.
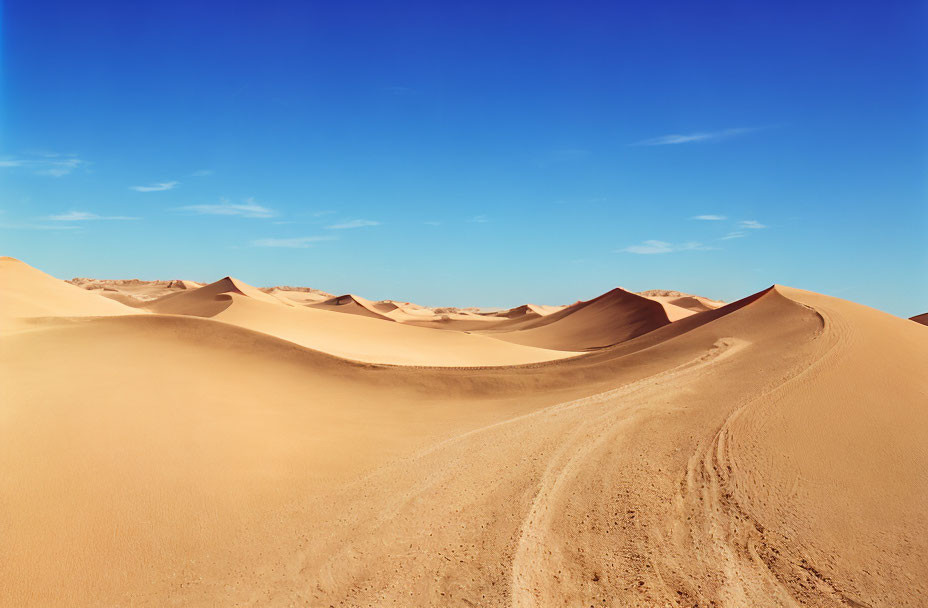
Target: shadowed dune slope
(28, 292)
(611, 318)
(922, 318)
(767, 453)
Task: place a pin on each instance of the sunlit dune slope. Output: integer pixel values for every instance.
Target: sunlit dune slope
(681, 300)
(353, 336)
(28, 292)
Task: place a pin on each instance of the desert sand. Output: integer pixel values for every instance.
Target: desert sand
(221, 445)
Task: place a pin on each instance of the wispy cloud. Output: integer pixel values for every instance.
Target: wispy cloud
(84, 216)
(292, 243)
(709, 218)
(743, 229)
(52, 165)
(734, 235)
(478, 219)
(656, 247)
(668, 140)
(27, 226)
(159, 187)
(202, 173)
(348, 225)
(247, 208)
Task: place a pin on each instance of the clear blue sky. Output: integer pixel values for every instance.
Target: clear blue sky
(472, 153)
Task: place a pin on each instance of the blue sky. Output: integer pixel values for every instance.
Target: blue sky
(471, 153)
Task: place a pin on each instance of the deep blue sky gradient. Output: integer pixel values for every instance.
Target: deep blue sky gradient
(506, 153)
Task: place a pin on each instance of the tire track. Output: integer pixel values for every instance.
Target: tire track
(534, 561)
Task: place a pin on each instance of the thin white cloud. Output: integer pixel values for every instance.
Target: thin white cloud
(479, 219)
(52, 165)
(347, 225)
(16, 226)
(734, 235)
(293, 243)
(657, 247)
(751, 225)
(709, 218)
(668, 140)
(159, 187)
(248, 208)
(84, 216)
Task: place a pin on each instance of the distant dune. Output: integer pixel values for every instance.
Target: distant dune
(227, 446)
(355, 305)
(922, 318)
(611, 318)
(347, 326)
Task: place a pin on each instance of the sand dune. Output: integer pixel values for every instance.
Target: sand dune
(770, 452)
(519, 312)
(28, 292)
(922, 318)
(362, 336)
(354, 305)
(611, 318)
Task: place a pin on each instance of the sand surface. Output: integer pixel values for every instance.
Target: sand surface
(770, 452)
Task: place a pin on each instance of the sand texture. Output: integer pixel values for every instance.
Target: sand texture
(221, 445)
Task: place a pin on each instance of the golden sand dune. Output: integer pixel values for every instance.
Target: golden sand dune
(26, 292)
(527, 310)
(611, 318)
(767, 453)
(361, 336)
(211, 299)
(355, 305)
(682, 300)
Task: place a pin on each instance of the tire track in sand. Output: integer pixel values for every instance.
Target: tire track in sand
(534, 561)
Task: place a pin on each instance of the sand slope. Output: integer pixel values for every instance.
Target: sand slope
(355, 305)
(362, 336)
(767, 453)
(611, 318)
(682, 300)
(27, 292)
(922, 318)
